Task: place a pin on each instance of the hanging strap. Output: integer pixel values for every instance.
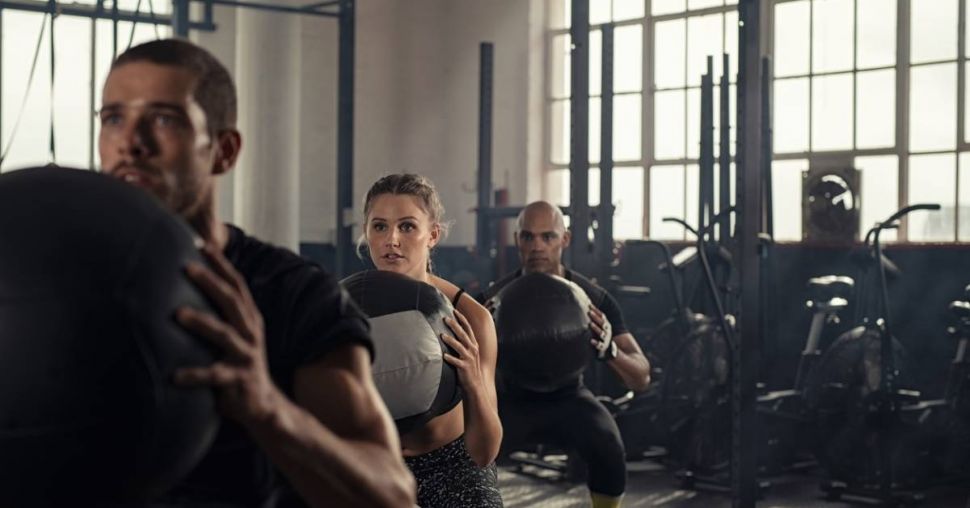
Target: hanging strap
(52, 5)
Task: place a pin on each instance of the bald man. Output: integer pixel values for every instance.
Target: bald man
(572, 417)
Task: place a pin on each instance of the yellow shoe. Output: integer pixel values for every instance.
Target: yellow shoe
(604, 501)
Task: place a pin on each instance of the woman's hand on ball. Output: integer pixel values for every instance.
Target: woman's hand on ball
(244, 388)
(466, 346)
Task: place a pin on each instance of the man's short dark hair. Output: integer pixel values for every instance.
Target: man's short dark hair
(214, 89)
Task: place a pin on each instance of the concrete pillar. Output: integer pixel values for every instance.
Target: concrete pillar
(266, 185)
(222, 44)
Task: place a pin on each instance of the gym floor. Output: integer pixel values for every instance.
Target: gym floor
(649, 484)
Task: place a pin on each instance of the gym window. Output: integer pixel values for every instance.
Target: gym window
(75, 94)
(878, 85)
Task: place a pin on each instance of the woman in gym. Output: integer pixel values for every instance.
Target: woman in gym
(452, 456)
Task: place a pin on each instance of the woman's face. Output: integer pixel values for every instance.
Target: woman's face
(400, 234)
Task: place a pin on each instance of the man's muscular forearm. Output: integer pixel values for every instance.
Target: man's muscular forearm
(328, 470)
(630, 364)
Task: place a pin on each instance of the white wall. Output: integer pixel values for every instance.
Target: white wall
(416, 103)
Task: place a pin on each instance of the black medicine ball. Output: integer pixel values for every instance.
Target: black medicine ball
(91, 272)
(407, 319)
(543, 332)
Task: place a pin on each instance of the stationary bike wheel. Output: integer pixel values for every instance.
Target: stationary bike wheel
(695, 395)
(848, 433)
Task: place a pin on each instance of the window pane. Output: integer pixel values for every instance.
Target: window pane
(704, 38)
(963, 205)
(30, 147)
(668, 125)
(560, 62)
(599, 11)
(791, 38)
(786, 180)
(595, 61)
(691, 191)
(626, 127)
(791, 115)
(595, 116)
(558, 13)
(966, 105)
(628, 59)
(931, 180)
(932, 107)
(658, 7)
(832, 26)
(701, 4)
(102, 64)
(934, 30)
(670, 39)
(627, 9)
(666, 200)
(72, 106)
(879, 191)
(594, 186)
(693, 123)
(628, 200)
(731, 44)
(558, 186)
(832, 112)
(877, 33)
(559, 132)
(876, 109)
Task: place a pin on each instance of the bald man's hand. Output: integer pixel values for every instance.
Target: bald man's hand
(602, 340)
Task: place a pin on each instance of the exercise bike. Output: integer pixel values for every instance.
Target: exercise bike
(785, 417)
(868, 436)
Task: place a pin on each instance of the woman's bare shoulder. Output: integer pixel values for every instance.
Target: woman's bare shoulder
(468, 306)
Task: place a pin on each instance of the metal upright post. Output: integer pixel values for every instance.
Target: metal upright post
(484, 239)
(345, 138)
(180, 18)
(705, 202)
(603, 248)
(579, 137)
(724, 157)
(745, 361)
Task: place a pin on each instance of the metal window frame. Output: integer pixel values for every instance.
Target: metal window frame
(684, 162)
(902, 67)
(344, 11)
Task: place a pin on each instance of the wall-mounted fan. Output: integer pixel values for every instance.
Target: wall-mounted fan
(830, 205)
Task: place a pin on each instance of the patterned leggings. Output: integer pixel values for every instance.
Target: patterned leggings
(448, 478)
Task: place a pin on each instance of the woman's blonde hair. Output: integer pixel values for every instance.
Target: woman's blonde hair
(407, 184)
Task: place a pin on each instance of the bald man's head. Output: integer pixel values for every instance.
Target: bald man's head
(539, 210)
(541, 236)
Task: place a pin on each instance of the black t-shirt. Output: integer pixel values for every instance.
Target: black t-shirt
(598, 296)
(306, 314)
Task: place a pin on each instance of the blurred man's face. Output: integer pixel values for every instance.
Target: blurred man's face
(541, 240)
(154, 135)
